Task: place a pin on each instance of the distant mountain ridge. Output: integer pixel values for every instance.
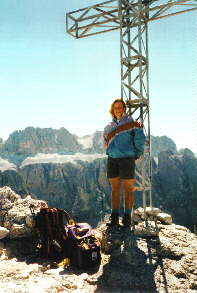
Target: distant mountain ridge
(70, 172)
(32, 141)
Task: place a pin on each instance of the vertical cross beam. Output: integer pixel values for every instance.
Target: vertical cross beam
(135, 80)
(131, 17)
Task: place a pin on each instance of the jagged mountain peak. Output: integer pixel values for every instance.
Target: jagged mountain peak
(30, 141)
(162, 143)
(37, 133)
(33, 140)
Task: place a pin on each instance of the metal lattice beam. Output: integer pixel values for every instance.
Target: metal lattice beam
(104, 17)
(135, 81)
(131, 17)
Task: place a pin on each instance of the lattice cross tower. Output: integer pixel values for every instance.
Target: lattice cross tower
(131, 17)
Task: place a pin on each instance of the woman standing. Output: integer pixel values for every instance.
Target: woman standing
(124, 142)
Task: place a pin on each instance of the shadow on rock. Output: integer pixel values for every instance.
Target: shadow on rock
(23, 249)
(129, 268)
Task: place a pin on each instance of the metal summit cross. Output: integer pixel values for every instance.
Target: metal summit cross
(131, 17)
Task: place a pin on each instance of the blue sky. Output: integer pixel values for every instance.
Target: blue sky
(49, 79)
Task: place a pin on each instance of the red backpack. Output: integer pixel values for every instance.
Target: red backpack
(60, 237)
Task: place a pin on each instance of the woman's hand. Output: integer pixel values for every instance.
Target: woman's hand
(139, 157)
(138, 124)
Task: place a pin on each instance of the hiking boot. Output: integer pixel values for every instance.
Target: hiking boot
(114, 220)
(126, 220)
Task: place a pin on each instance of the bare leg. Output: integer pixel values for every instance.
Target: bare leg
(115, 193)
(128, 185)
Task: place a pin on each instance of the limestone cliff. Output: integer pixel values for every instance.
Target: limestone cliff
(174, 186)
(81, 188)
(15, 180)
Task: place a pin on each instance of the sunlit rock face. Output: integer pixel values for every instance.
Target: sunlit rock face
(165, 261)
(15, 213)
(130, 262)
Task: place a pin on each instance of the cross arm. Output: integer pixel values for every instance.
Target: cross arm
(104, 17)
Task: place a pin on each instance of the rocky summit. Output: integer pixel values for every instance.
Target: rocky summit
(134, 260)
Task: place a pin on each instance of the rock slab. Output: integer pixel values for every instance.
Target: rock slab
(15, 213)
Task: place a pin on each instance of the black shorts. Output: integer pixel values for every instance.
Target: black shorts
(121, 167)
